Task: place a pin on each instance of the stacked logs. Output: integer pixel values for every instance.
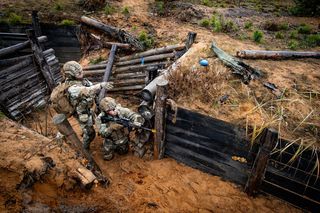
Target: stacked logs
(133, 72)
(22, 84)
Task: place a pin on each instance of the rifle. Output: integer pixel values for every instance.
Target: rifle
(124, 122)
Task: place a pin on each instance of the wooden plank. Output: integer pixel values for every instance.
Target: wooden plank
(291, 197)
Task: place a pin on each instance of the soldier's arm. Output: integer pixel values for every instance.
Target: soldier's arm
(127, 113)
(102, 127)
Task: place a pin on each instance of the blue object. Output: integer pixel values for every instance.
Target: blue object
(142, 61)
(204, 62)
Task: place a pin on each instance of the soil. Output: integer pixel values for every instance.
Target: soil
(137, 185)
(140, 185)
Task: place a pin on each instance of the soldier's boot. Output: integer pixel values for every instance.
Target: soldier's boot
(108, 149)
(88, 136)
(122, 146)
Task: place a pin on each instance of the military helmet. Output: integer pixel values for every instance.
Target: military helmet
(72, 69)
(107, 104)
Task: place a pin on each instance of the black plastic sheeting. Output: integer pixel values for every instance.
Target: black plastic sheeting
(209, 144)
(63, 39)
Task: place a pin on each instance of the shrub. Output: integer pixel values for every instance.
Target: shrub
(160, 7)
(284, 26)
(67, 22)
(293, 45)
(96, 60)
(304, 29)
(125, 11)
(207, 3)
(279, 35)
(313, 40)
(205, 22)
(271, 26)
(306, 7)
(58, 7)
(14, 19)
(230, 26)
(215, 23)
(248, 25)
(146, 40)
(108, 9)
(294, 34)
(257, 36)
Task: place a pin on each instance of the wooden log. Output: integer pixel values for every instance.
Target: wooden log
(159, 125)
(36, 23)
(10, 61)
(20, 46)
(108, 71)
(85, 176)
(129, 82)
(49, 52)
(95, 67)
(146, 59)
(23, 35)
(129, 75)
(238, 67)
(275, 55)
(119, 45)
(151, 52)
(127, 88)
(40, 60)
(190, 39)
(63, 125)
(268, 141)
(114, 32)
(16, 67)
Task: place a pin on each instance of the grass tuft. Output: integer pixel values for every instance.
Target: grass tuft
(257, 36)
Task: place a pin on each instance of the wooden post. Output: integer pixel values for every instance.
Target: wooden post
(63, 125)
(268, 140)
(190, 39)
(107, 73)
(36, 23)
(40, 59)
(160, 111)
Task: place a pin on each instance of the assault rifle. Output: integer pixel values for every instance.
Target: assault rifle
(124, 122)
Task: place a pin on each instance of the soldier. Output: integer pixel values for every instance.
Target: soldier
(75, 97)
(116, 136)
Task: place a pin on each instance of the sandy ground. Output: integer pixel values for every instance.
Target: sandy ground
(137, 185)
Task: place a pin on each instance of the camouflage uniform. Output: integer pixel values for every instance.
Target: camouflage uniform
(116, 136)
(81, 96)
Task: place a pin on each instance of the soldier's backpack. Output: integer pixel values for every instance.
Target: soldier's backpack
(60, 99)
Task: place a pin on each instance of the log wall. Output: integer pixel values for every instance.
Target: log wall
(213, 146)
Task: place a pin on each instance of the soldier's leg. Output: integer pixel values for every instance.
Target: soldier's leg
(108, 149)
(86, 124)
(121, 140)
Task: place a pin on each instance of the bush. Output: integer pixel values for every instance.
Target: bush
(306, 7)
(207, 3)
(229, 26)
(14, 19)
(205, 22)
(248, 25)
(108, 9)
(160, 7)
(215, 23)
(313, 40)
(284, 26)
(304, 29)
(67, 22)
(146, 40)
(96, 60)
(125, 11)
(257, 36)
(58, 7)
(294, 34)
(293, 45)
(279, 35)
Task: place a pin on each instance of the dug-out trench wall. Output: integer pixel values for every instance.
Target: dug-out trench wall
(221, 149)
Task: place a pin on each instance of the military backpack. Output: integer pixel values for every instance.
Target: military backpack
(60, 99)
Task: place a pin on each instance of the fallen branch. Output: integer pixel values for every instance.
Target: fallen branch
(121, 35)
(238, 67)
(275, 55)
(147, 59)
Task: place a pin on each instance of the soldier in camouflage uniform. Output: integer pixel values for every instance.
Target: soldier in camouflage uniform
(81, 95)
(116, 136)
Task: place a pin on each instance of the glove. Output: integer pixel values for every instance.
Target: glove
(138, 124)
(107, 85)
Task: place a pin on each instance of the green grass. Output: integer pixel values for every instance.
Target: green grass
(313, 40)
(160, 7)
(14, 19)
(304, 29)
(125, 11)
(293, 44)
(279, 35)
(205, 22)
(58, 7)
(146, 40)
(248, 25)
(67, 22)
(108, 9)
(96, 60)
(2, 115)
(294, 34)
(257, 36)
(284, 26)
